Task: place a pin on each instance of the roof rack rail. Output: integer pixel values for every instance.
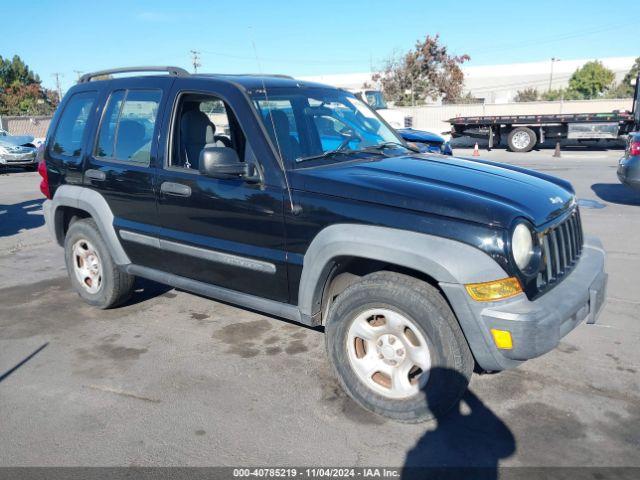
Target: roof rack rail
(276, 75)
(176, 71)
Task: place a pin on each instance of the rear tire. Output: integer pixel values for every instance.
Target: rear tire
(522, 139)
(93, 273)
(409, 329)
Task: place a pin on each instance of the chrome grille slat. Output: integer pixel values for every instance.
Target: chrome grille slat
(561, 247)
(569, 242)
(556, 253)
(574, 231)
(579, 218)
(549, 276)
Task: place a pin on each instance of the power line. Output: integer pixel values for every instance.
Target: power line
(550, 39)
(483, 51)
(195, 60)
(525, 83)
(285, 60)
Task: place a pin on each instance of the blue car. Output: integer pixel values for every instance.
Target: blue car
(426, 141)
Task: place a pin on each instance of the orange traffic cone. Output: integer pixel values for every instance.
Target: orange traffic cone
(476, 152)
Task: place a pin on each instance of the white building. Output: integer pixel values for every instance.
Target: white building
(500, 83)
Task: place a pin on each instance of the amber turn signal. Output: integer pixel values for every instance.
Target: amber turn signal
(495, 290)
(502, 339)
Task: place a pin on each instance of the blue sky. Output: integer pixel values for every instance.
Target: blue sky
(304, 37)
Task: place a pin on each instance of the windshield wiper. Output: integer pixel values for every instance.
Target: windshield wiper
(328, 154)
(376, 149)
(385, 145)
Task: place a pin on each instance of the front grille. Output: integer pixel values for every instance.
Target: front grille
(561, 248)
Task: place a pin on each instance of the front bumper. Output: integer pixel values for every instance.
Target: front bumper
(537, 326)
(18, 159)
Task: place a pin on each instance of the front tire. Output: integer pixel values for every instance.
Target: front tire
(93, 273)
(397, 349)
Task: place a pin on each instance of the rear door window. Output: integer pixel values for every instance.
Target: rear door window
(128, 123)
(107, 136)
(70, 133)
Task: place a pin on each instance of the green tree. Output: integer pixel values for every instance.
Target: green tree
(21, 92)
(427, 71)
(561, 94)
(15, 72)
(527, 95)
(592, 80)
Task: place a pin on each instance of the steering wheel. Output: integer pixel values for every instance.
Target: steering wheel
(348, 135)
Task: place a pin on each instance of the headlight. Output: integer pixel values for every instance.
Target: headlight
(3, 150)
(522, 246)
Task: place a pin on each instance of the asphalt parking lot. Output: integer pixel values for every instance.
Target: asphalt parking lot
(176, 379)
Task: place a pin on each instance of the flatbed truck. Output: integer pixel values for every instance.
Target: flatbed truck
(524, 132)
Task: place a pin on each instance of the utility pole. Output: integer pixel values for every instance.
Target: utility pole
(78, 73)
(195, 60)
(57, 76)
(553, 60)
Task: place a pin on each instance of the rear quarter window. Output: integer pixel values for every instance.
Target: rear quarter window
(70, 132)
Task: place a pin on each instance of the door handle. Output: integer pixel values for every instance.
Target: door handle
(171, 188)
(95, 174)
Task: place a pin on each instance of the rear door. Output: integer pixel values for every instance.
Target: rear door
(122, 162)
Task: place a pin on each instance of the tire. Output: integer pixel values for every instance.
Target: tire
(522, 139)
(104, 285)
(448, 365)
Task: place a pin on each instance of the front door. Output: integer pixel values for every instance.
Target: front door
(225, 232)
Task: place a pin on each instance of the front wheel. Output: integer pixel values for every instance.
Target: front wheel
(397, 349)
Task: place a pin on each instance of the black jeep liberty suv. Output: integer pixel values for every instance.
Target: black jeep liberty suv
(297, 200)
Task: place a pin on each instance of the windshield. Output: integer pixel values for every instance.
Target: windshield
(308, 123)
(375, 99)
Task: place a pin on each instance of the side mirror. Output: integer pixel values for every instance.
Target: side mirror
(221, 162)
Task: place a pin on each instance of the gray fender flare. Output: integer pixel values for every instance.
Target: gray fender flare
(95, 205)
(443, 259)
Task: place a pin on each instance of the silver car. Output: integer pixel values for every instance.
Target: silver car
(17, 151)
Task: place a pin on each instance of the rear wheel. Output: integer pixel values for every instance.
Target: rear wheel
(522, 139)
(397, 348)
(92, 271)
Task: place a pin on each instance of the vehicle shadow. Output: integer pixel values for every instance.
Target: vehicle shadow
(616, 193)
(6, 170)
(144, 290)
(468, 440)
(21, 216)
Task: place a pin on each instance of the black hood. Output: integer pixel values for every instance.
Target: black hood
(475, 191)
